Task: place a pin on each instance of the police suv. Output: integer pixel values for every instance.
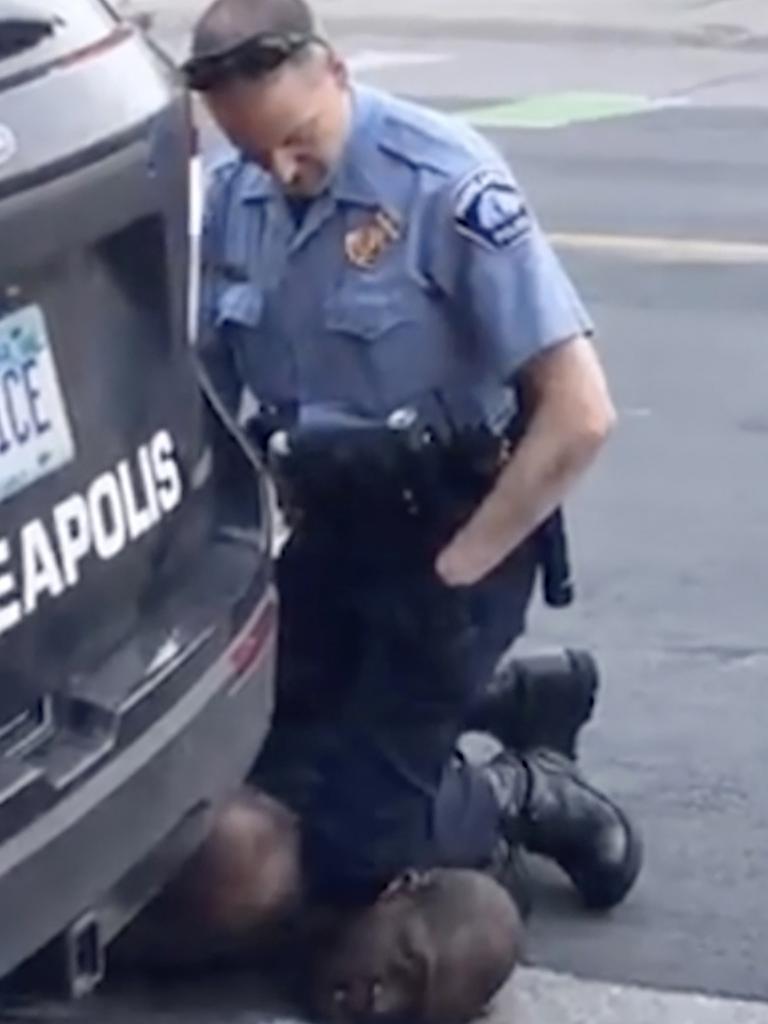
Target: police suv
(137, 617)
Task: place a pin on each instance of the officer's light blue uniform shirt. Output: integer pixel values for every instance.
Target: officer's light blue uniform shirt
(459, 289)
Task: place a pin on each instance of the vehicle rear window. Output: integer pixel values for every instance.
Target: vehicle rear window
(35, 32)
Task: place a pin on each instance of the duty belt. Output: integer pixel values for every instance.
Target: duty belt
(418, 475)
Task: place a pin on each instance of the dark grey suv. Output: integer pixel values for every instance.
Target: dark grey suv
(137, 615)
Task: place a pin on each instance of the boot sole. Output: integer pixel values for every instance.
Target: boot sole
(586, 666)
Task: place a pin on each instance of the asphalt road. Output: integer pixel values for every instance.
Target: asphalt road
(669, 531)
(669, 539)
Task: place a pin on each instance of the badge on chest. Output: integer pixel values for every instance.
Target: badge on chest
(366, 244)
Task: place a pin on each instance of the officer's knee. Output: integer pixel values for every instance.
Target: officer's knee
(246, 875)
(434, 950)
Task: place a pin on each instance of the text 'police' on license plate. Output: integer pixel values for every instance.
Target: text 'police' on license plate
(35, 435)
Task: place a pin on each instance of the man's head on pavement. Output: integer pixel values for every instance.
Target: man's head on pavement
(434, 949)
(277, 90)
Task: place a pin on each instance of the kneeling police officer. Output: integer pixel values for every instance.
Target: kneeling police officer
(428, 394)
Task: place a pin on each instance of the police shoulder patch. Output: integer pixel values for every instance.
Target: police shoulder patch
(489, 208)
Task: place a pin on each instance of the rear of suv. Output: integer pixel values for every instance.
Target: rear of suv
(137, 614)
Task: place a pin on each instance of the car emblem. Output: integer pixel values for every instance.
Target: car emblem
(7, 144)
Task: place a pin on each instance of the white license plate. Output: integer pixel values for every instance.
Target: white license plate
(35, 435)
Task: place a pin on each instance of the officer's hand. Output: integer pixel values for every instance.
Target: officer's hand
(463, 562)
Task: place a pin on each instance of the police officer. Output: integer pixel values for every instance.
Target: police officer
(366, 255)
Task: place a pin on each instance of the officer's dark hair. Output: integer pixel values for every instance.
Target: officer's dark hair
(227, 23)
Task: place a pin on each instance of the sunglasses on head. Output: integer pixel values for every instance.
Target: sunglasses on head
(250, 59)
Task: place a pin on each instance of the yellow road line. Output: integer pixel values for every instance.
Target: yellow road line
(664, 250)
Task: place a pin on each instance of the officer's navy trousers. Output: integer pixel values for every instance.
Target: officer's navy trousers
(378, 665)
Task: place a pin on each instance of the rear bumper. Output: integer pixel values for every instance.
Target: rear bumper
(107, 846)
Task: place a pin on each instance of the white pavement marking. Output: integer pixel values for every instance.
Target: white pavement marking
(669, 250)
(377, 60)
(540, 997)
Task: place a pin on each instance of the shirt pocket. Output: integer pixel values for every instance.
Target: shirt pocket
(390, 336)
(366, 312)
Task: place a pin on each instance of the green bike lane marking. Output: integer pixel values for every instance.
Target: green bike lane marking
(560, 109)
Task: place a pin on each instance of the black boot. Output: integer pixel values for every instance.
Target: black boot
(539, 702)
(550, 809)
(509, 869)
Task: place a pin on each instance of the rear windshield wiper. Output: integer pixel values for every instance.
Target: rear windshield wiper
(22, 28)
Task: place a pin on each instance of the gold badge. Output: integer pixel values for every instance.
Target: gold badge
(365, 245)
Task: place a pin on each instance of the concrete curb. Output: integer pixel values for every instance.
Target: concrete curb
(532, 996)
(541, 997)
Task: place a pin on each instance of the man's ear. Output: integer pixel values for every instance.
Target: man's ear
(339, 68)
(409, 881)
(420, 957)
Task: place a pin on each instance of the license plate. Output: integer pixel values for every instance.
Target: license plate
(35, 435)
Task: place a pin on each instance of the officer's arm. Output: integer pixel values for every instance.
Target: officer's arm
(213, 351)
(527, 325)
(572, 415)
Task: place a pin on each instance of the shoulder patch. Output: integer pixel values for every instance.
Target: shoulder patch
(489, 209)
